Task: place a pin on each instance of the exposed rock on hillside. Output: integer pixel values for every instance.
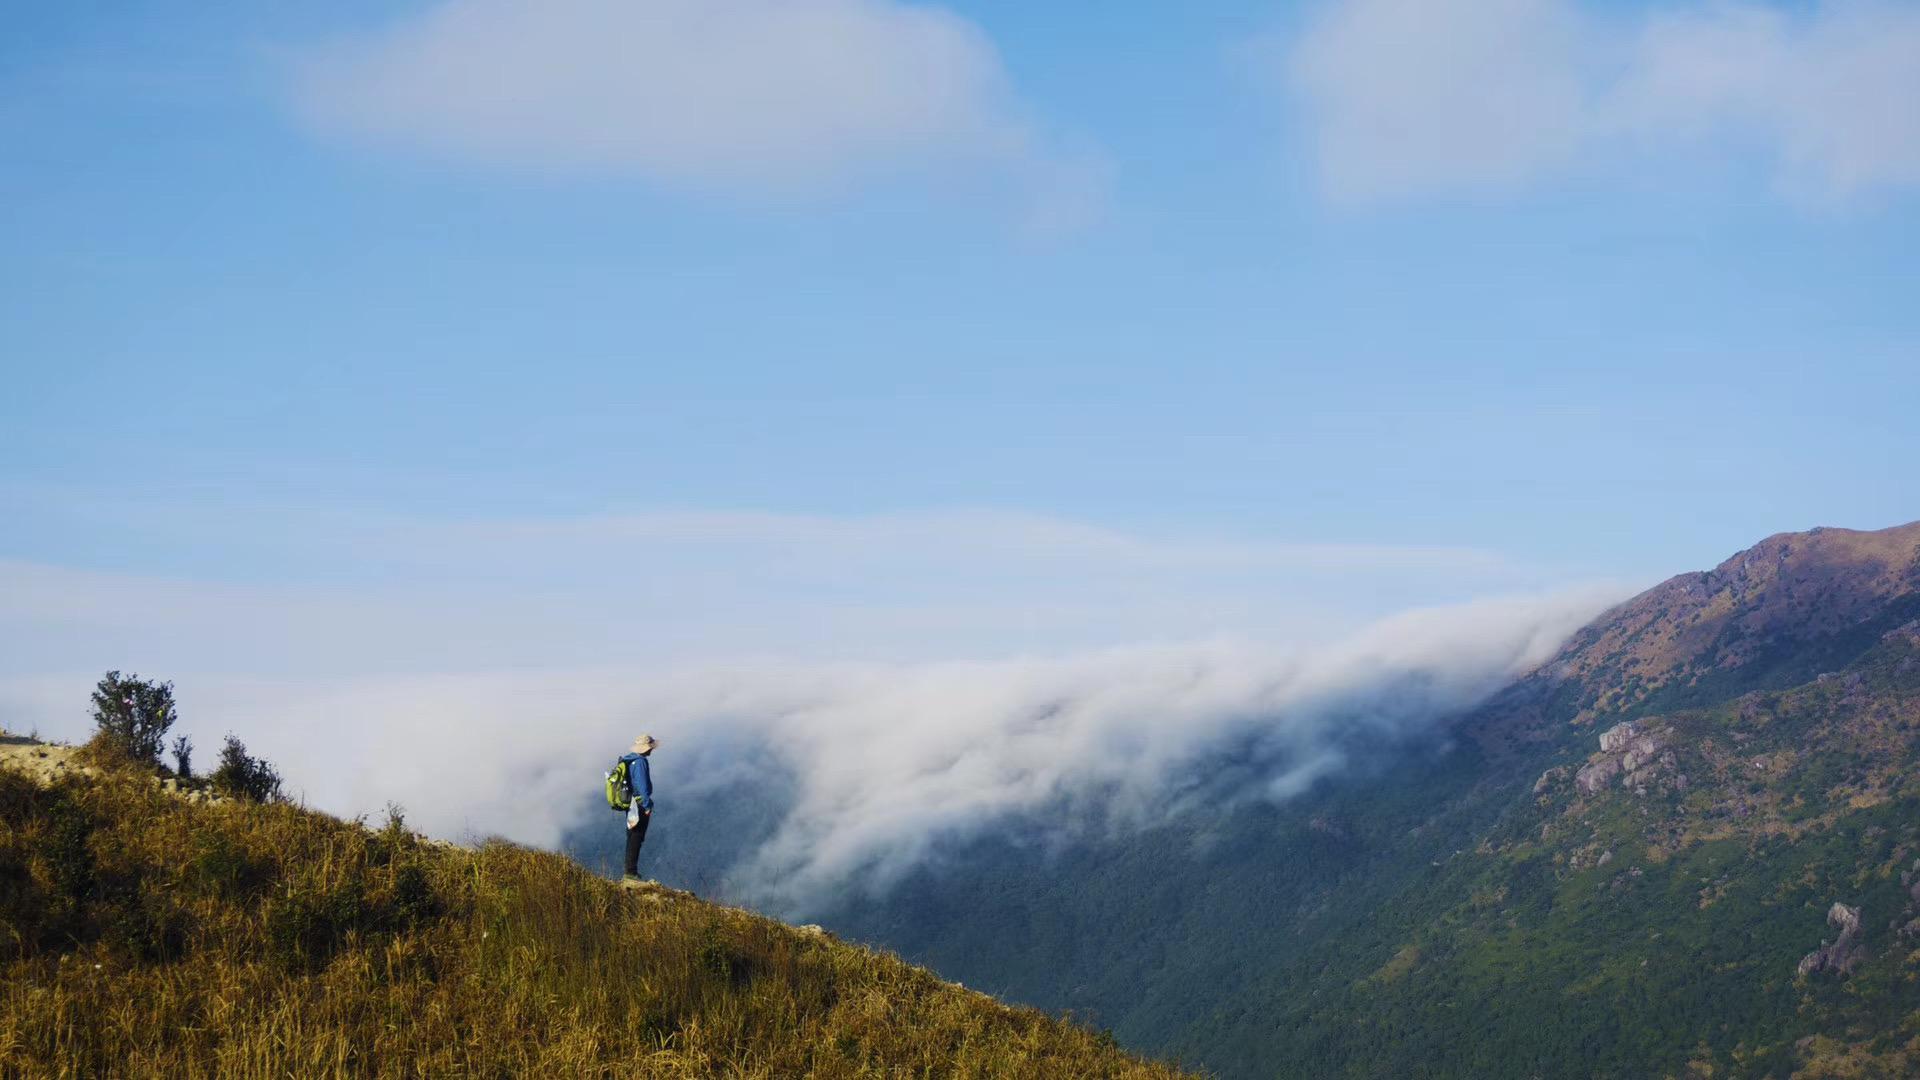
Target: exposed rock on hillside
(1845, 953)
(1639, 757)
(1597, 773)
(51, 762)
(1615, 739)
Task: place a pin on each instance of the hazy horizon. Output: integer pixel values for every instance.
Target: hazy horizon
(393, 376)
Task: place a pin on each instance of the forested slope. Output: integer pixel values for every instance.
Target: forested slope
(1430, 913)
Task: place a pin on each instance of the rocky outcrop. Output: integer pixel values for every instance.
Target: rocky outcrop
(49, 763)
(1615, 739)
(45, 762)
(1550, 779)
(1640, 759)
(1844, 953)
(1596, 774)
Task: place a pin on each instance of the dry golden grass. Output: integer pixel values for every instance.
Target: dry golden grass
(143, 936)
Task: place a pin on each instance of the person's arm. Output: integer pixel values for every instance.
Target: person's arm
(643, 785)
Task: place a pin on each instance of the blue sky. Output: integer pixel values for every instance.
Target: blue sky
(965, 400)
(600, 331)
(1652, 369)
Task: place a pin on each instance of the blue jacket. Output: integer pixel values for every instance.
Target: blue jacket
(639, 780)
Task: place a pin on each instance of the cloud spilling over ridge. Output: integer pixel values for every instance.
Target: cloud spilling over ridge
(1405, 97)
(885, 687)
(893, 763)
(746, 94)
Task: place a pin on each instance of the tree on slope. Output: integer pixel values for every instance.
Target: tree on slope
(132, 715)
(244, 776)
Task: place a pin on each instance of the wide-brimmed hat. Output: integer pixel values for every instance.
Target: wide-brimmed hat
(644, 743)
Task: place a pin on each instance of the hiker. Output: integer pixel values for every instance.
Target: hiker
(640, 804)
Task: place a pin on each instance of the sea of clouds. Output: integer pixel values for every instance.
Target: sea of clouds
(889, 762)
(889, 687)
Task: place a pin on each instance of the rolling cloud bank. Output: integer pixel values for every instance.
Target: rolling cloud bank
(869, 766)
(889, 763)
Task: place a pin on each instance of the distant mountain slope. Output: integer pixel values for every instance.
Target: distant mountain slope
(1771, 616)
(1675, 902)
(1350, 931)
(1790, 587)
(143, 934)
(1704, 862)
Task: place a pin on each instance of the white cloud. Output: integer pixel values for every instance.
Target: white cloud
(1444, 93)
(1404, 97)
(926, 676)
(895, 761)
(1833, 95)
(748, 94)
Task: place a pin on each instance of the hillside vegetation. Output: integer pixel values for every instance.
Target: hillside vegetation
(145, 934)
(1705, 860)
(1513, 898)
(1685, 917)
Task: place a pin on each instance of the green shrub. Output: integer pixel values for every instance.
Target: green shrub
(244, 776)
(225, 869)
(309, 925)
(727, 964)
(131, 716)
(149, 926)
(64, 847)
(413, 898)
(392, 840)
(20, 798)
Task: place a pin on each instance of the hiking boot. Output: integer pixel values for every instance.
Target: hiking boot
(630, 881)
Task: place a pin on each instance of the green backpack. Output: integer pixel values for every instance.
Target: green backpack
(619, 787)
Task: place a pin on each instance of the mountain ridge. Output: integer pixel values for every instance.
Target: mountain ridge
(1768, 756)
(1692, 630)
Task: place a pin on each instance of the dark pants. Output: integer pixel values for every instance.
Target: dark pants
(635, 837)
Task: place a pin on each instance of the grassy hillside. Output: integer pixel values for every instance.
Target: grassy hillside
(143, 934)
